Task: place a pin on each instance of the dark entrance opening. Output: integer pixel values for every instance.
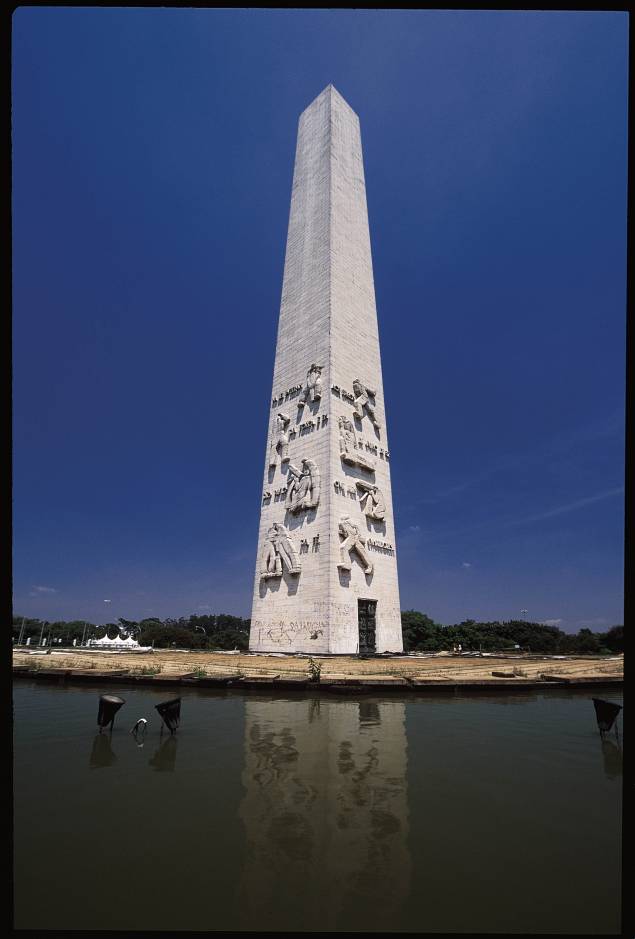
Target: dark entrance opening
(366, 619)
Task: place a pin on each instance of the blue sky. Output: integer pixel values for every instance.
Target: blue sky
(152, 165)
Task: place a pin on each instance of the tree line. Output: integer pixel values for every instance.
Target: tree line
(420, 634)
(190, 632)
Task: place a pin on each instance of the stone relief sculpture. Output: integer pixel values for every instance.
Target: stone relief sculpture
(279, 439)
(349, 451)
(303, 487)
(313, 390)
(353, 541)
(278, 550)
(362, 400)
(372, 501)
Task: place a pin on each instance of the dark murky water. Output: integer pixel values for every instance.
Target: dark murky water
(435, 814)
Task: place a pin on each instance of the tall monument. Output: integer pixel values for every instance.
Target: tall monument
(326, 571)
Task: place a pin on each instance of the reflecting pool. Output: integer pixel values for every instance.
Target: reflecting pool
(447, 813)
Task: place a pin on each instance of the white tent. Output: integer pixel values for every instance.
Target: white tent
(117, 644)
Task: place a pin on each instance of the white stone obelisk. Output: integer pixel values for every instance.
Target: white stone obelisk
(326, 570)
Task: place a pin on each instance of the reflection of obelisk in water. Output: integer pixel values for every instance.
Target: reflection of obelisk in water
(326, 570)
(326, 816)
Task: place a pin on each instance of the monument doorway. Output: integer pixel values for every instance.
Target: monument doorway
(366, 620)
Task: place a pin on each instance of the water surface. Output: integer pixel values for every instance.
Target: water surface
(453, 813)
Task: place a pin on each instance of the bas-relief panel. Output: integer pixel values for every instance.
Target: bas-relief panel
(313, 390)
(364, 403)
(325, 814)
(279, 552)
(303, 486)
(279, 446)
(371, 500)
(284, 433)
(301, 491)
(350, 450)
(362, 400)
(353, 542)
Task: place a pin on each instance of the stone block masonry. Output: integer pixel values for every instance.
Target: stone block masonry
(326, 568)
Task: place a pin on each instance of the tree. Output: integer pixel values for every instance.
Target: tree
(587, 641)
(162, 636)
(613, 639)
(420, 633)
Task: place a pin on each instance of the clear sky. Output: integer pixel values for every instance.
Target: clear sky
(152, 165)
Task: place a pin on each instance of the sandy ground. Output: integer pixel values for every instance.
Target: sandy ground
(441, 666)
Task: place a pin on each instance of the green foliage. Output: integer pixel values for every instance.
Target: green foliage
(315, 670)
(614, 639)
(66, 631)
(165, 636)
(422, 634)
(193, 632)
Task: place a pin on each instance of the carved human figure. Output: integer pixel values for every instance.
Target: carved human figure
(286, 549)
(362, 400)
(303, 487)
(278, 549)
(313, 390)
(348, 445)
(372, 501)
(353, 541)
(271, 563)
(279, 439)
(348, 440)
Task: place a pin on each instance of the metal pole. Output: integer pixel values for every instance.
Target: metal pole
(41, 632)
(21, 631)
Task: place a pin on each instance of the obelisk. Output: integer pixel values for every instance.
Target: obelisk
(326, 570)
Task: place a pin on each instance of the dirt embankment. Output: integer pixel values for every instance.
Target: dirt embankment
(442, 667)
